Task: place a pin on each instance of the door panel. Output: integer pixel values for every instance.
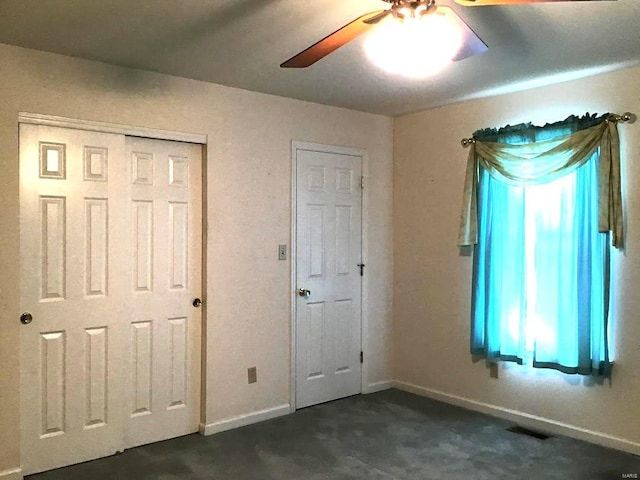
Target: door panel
(165, 329)
(328, 244)
(110, 245)
(73, 252)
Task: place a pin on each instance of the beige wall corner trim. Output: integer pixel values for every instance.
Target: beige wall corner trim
(11, 474)
(55, 121)
(378, 386)
(243, 420)
(525, 419)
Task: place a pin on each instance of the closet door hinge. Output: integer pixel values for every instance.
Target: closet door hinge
(361, 357)
(361, 265)
(362, 182)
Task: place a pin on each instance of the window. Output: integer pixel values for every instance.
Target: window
(541, 266)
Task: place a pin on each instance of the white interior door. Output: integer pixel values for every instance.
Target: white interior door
(72, 255)
(164, 328)
(328, 251)
(110, 246)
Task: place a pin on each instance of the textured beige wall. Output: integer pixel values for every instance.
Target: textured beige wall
(249, 163)
(432, 281)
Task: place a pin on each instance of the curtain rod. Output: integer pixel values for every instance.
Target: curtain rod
(625, 117)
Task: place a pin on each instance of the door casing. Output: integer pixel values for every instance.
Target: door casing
(295, 146)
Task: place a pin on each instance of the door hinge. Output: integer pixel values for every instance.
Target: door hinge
(361, 357)
(362, 182)
(361, 265)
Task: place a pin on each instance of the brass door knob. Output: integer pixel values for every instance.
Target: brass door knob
(26, 318)
(303, 292)
(197, 303)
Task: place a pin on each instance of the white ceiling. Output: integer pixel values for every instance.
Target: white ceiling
(241, 43)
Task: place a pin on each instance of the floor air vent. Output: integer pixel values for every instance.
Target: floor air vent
(530, 433)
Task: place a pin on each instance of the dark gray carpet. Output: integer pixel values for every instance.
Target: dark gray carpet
(384, 436)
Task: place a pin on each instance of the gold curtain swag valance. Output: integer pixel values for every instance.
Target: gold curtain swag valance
(545, 161)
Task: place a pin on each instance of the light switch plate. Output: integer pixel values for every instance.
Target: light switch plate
(282, 252)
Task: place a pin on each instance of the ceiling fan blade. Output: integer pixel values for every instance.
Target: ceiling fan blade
(376, 19)
(331, 42)
(471, 43)
(482, 3)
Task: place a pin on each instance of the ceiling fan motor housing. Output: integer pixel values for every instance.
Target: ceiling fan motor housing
(405, 9)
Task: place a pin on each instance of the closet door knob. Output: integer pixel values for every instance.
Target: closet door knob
(303, 292)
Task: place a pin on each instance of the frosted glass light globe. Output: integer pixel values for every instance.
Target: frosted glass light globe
(415, 47)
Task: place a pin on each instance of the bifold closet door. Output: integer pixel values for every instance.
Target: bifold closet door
(111, 262)
(73, 257)
(163, 325)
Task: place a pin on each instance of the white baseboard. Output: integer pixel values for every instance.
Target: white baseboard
(525, 419)
(378, 386)
(11, 474)
(246, 419)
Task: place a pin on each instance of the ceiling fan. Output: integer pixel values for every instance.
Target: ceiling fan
(403, 10)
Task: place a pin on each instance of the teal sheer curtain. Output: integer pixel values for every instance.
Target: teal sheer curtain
(541, 267)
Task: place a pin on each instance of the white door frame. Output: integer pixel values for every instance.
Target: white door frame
(54, 121)
(134, 131)
(364, 335)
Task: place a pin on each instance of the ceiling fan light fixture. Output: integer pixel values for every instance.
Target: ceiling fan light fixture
(409, 10)
(415, 49)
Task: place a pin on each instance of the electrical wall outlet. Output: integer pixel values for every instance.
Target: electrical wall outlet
(493, 370)
(252, 374)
